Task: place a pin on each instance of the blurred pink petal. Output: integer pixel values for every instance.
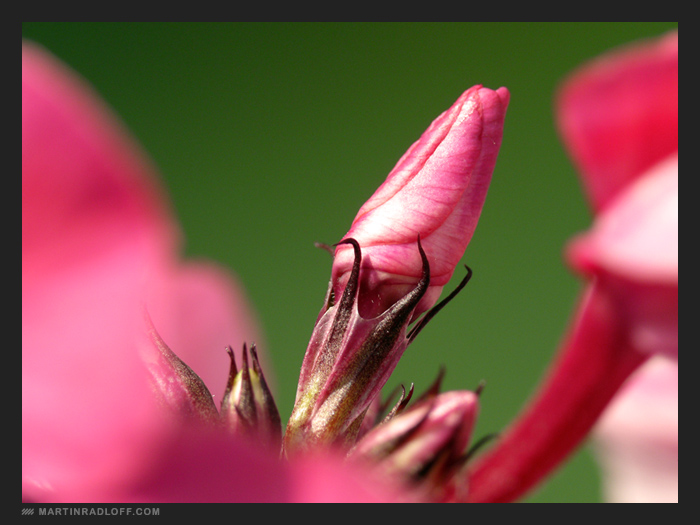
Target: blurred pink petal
(91, 230)
(637, 437)
(619, 115)
(97, 241)
(213, 468)
(633, 249)
(619, 118)
(200, 308)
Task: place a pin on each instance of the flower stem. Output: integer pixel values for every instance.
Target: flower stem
(592, 365)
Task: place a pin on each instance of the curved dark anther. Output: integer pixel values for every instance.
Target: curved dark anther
(256, 364)
(267, 401)
(409, 301)
(404, 402)
(425, 279)
(435, 309)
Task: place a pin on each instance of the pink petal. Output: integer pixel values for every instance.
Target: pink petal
(93, 226)
(196, 466)
(324, 478)
(85, 185)
(637, 436)
(210, 467)
(633, 249)
(619, 115)
(97, 242)
(88, 413)
(637, 235)
(437, 191)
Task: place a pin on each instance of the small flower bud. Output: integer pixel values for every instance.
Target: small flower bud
(248, 406)
(424, 446)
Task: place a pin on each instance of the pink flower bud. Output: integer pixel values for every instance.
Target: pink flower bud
(424, 446)
(437, 191)
(432, 198)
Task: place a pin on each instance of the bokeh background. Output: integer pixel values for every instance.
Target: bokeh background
(270, 136)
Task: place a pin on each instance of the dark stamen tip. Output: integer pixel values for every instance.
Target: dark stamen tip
(244, 364)
(401, 404)
(351, 287)
(407, 398)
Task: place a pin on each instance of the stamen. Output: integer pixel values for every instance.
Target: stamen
(381, 340)
(232, 370)
(267, 402)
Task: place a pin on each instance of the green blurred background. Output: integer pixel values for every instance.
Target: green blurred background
(269, 136)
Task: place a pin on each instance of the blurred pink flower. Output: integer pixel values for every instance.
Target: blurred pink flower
(619, 118)
(630, 168)
(98, 244)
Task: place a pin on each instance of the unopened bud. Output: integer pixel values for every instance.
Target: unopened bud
(248, 406)
(424, 446)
